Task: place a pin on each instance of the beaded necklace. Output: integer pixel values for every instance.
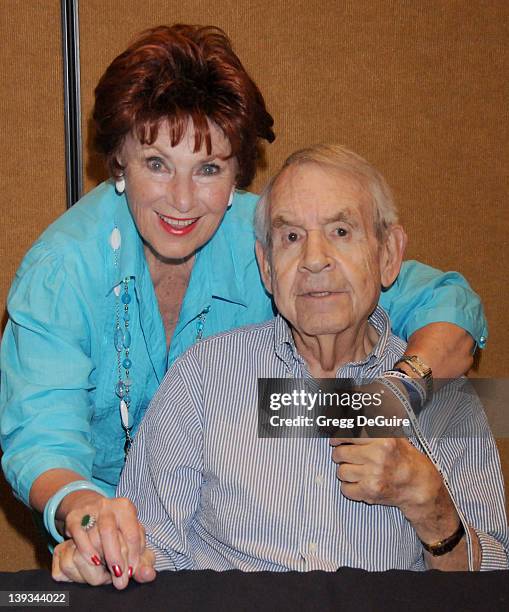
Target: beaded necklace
(201, 323)
(122, 342)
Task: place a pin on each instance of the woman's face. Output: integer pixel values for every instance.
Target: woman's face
(177, 197)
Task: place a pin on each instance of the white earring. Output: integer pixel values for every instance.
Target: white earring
(120, 184)
(230, 199)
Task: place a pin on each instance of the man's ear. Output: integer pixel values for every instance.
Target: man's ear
(391, 254)
(264, 266)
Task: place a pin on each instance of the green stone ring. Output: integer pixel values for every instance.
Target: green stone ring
(88, 521)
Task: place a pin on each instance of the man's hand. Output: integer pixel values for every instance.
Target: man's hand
(392, 472)
(69, 565)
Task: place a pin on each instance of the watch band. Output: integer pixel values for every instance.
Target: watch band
(442, 547)
(422, 370)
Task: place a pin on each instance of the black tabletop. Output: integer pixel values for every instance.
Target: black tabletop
(348, 589)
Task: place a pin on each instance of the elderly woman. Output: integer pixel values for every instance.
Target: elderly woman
(144, 266)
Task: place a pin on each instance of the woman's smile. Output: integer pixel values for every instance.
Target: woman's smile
(177, 227)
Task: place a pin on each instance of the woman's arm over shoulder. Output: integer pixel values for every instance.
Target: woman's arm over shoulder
(422, 295)
(439, 315)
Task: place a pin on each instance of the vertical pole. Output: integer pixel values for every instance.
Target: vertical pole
(72, 100)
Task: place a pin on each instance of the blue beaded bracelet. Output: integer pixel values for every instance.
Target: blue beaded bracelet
(413, 388)
(52, 504)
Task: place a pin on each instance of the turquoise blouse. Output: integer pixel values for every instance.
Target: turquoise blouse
(58, 407)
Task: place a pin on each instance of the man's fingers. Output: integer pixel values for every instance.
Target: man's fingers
(347, 453)
(56, 572)
(367, 450)
(64, 568)
(348, 472)
(350, 441)
(353, 491)
(146, 572)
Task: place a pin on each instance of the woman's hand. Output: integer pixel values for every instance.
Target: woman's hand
(116, 521)
(116, 526)
(69, 565)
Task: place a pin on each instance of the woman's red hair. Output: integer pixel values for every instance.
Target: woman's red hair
(177, 74)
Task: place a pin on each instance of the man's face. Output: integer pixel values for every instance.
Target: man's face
(325, 267)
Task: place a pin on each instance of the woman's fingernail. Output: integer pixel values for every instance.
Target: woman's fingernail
(95, 560)
(116, 570)
(130, 572)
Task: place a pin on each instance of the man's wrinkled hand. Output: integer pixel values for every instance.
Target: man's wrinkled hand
(386, 471)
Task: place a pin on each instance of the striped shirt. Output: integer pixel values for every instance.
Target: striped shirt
(213, 495)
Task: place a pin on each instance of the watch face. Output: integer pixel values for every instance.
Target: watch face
(445, 546)
(419, 367)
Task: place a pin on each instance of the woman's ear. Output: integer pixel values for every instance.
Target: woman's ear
(121, 155)
(391, 254)
(118, 164)
(262, 256)
(118, 174)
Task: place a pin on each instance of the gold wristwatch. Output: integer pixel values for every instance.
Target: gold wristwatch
(421, 369)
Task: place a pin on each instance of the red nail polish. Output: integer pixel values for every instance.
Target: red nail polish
(95, 560)
(130, 572)
(116, 570)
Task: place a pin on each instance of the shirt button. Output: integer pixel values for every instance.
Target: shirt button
(313, 547)
(482, 340)
(319, 479)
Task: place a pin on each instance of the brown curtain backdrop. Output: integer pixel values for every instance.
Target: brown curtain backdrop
(419, 88)
(32, 180)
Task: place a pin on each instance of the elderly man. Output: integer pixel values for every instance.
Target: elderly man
(213, 494)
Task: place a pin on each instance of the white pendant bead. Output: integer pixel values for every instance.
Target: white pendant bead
(117, 290)
(124, 414)
(115, 239)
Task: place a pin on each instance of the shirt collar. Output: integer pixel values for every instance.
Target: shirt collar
(284, 344)
(223, 270)
(380, 321)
